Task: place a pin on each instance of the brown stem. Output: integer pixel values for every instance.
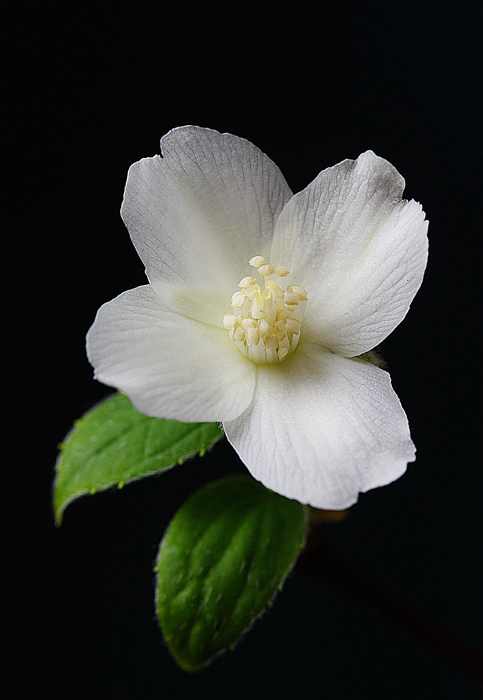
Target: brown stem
(319, 561)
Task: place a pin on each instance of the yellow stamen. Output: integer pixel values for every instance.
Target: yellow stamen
(266, 323)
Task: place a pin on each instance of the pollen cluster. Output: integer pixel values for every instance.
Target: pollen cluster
(265, 324)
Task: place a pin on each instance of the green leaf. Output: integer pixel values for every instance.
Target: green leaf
(221, 562)
(113, 444)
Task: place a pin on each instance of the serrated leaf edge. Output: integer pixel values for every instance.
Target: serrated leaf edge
(59, 510)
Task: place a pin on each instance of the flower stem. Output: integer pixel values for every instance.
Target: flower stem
(319, 561)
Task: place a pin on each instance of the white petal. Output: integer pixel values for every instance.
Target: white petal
(199, 213)
(357, 249)
(168, 365)
(323, 428)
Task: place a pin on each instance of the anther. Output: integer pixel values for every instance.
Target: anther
(246, 282)
(248, 323)
(266, 270)
(271, 342)
(281, 271)
(257, 261)
(252, 336)
(238, 299)
(300, 292)
(229, 321)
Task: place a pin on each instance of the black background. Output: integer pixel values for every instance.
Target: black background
(93, 90)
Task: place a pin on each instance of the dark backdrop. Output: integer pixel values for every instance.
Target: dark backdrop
(93, 90)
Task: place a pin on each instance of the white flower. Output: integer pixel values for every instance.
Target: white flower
(273, 356)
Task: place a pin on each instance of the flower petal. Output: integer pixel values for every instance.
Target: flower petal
(199, 213)
(168, 365)
(359, 251)
(323, 428)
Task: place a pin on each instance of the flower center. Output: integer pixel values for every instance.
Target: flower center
(265, 324)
